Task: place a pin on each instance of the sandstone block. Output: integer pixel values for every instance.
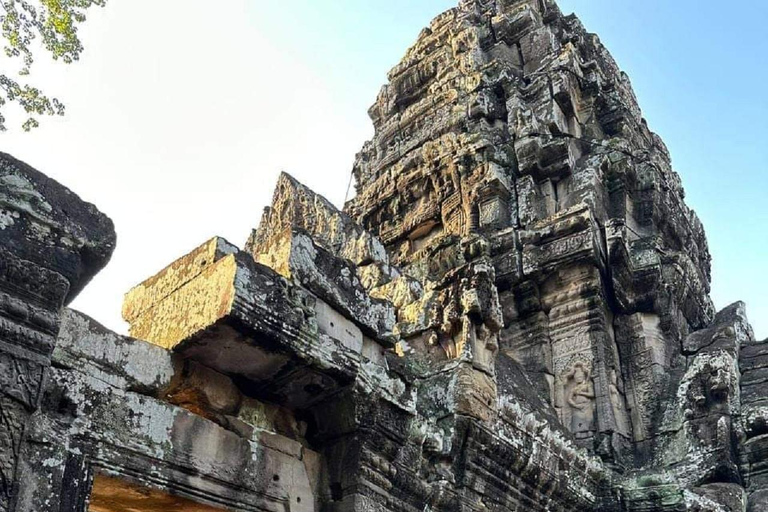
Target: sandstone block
(124, 362)
(43, 221)
(294, 255)
(244, 320)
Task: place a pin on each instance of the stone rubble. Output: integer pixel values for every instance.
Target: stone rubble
(512, 314)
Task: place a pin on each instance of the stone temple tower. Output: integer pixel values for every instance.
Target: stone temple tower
(509, 125)
(512, 314)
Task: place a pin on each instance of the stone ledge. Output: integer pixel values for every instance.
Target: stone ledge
(46, 223)
(242, 319)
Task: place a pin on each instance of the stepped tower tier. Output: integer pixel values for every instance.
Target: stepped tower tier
(509, 123)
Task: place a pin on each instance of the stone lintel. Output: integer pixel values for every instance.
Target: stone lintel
(244, 320)
(125, 363)
(569, 236)
(295, 255)
(153, 290)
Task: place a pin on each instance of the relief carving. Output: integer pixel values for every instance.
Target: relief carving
(21, 378)
(618, 404)
(12, 418)
(509, 158)
(579, 392)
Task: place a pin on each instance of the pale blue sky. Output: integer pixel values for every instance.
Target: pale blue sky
(180, 116)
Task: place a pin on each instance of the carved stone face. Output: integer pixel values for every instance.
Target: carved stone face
(579, 376)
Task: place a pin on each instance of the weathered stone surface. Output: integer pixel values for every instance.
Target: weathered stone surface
(700, 424)
(296, 206)
(147, 294)
(753, 451)
(203, 391)
(104, 420)
(732, 497)
(51, 244)
(294, 255)
(43, 221)
(125, 434)
(758, 501)
(507, 121)
(126, 363)
(512, 314)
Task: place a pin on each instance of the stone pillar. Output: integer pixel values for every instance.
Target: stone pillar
(51, 245)
(30, 297)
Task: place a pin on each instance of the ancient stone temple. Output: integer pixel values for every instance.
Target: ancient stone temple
(512, 314)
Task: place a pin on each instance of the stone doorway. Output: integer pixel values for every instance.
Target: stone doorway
(116, 495)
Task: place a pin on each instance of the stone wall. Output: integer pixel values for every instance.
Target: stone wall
(512, 314)
(51, 245)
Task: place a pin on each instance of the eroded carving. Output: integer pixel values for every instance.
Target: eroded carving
(512, 314)
(579, 395)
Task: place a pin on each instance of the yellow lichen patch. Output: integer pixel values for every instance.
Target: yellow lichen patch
(414, 313)
(156, 288)
(198, 304)
(277, 254)
(475, 394)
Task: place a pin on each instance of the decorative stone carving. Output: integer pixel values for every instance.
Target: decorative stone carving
(13, 416)
(512, 314)
(579, 398)
(618, 403)
(51, 245)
